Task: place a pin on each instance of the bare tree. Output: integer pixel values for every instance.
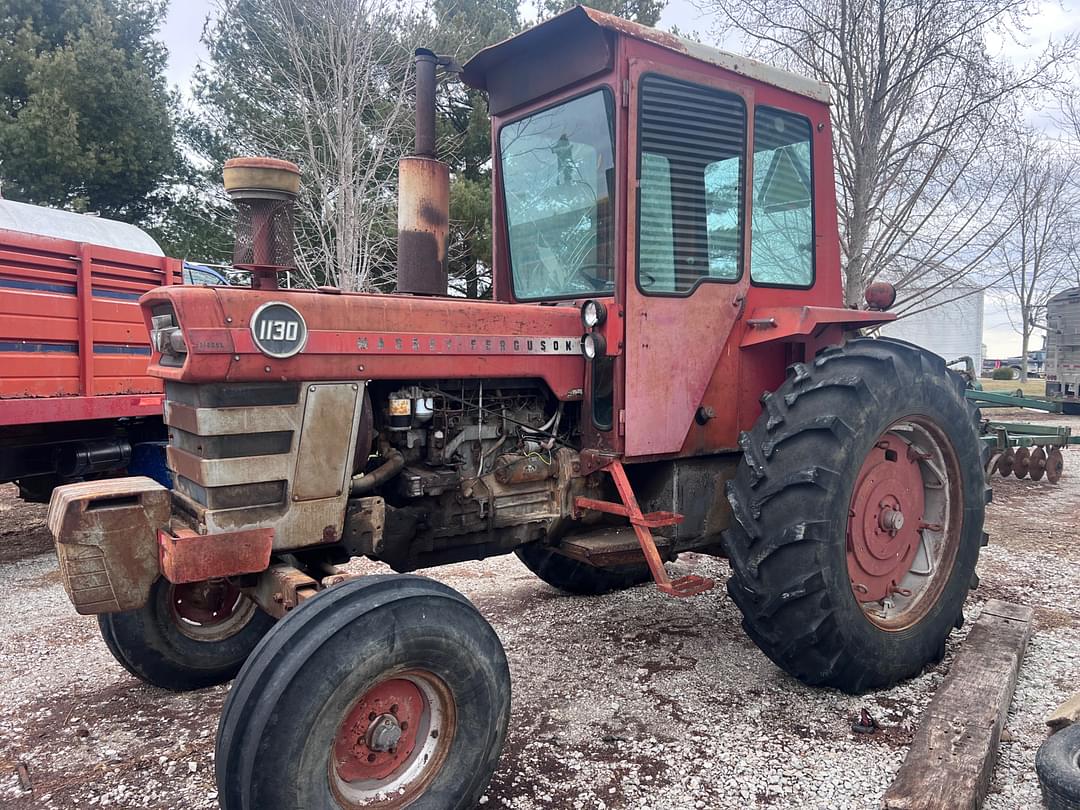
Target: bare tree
(324, 83)
(920, 117)
(1037, 255)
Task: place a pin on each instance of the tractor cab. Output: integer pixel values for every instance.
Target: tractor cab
(673, 186)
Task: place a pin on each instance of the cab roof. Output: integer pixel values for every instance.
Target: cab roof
(572, 24)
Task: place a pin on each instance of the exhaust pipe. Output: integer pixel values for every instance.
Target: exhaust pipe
(423, 195)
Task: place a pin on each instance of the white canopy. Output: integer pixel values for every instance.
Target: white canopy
(37, 219)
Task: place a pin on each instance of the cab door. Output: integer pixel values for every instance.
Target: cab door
(687, 245)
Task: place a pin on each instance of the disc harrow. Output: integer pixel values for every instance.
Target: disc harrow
(1027, 451)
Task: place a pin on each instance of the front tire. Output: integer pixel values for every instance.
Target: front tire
(382, 692)
(186, 636)
(858, 512)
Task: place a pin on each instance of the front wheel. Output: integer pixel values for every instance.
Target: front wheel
(186, 636)
(858, 511)
(382, 692)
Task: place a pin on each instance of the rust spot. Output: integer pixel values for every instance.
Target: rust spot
(421, 264)
(433, 215)
(329, 534)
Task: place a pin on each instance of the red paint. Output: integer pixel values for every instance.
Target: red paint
(206, 603)
(353, 759)
(880, 552)
(32, 410)
(689, 585)
(720, 347)
(55, 293)
(767, 325)
(190, 557)
(220, 349)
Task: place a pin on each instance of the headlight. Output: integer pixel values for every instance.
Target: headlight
(593, 313)
(593, 346)
(165, 334)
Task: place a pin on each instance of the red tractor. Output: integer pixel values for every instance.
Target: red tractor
(667, 366)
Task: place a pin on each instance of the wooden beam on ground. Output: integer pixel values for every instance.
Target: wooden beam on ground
(954, 750)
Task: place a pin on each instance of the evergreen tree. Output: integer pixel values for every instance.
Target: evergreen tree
(463, 27)
(85, 115)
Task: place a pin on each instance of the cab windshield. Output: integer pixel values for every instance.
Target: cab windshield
(558, 175)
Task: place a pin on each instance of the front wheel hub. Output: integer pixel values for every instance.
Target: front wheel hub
(392, 742)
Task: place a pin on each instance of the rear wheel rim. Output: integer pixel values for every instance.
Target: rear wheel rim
(904, 523)
(209, 611)
(393, 741)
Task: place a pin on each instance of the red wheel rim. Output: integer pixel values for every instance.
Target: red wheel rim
(205, 603)
(904, 523)
(211, 610)
(389, 712)
(884, 519)
(393, 741)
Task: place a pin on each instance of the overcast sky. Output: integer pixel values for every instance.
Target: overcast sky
(183, 29)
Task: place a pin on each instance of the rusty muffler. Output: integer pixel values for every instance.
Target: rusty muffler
(423, 195)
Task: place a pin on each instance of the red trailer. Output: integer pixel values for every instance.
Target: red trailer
(75, 398)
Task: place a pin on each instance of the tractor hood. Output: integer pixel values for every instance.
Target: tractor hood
(222, 334)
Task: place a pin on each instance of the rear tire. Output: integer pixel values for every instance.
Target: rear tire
(814, 499)
(305, 723)
(576, 577)
(158, 645)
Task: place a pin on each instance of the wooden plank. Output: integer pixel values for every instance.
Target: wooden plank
(953, 753)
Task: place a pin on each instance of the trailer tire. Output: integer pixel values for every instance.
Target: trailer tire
(578, 578)
(159, 646)
(1058, 765)
(850, 442)
(300, 727)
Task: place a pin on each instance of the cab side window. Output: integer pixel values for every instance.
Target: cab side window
(782, 224)
(691, 175)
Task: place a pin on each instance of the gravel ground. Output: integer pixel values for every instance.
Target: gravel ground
(633, 700)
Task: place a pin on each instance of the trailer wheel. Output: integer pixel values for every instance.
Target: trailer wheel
(186, 636)
(382, 692)
(576, 577)
(858, 511)
(1058, 765)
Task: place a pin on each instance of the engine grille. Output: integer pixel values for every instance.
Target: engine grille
(263, 454)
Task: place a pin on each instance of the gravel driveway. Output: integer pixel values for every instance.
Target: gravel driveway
(633, 700)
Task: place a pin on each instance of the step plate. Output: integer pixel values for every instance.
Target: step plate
(611, 547)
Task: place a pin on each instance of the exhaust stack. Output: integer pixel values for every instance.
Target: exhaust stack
(423, 195)
(264, 191)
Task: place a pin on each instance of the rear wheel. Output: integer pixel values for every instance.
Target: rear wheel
(382, 692)
(186, 636)
(576, 577)
(858, 512)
